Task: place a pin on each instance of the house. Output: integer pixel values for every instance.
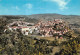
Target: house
(26, 32)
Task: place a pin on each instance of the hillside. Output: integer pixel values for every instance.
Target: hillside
(63, 40)
(73, 20)
(69, 18)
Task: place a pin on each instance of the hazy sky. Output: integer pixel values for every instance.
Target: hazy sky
(28, 7)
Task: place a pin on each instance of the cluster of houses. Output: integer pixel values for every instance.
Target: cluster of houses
(43, 28)
(56, 28)
(24, 27)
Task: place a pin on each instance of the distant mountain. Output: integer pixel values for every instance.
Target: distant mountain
(68, 18)
(72, 19)
(52, 16)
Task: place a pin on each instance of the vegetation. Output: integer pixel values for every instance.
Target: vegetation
(14, 43)
(3, 22)
(17, 44)
(71, 47)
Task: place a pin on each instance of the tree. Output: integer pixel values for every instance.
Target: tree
(72, 47)
(3, 22)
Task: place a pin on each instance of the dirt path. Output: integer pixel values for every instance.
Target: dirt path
(55, 49)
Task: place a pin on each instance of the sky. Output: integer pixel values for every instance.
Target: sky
(29, 7)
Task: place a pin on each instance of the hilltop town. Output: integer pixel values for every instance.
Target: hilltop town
(55, 28)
